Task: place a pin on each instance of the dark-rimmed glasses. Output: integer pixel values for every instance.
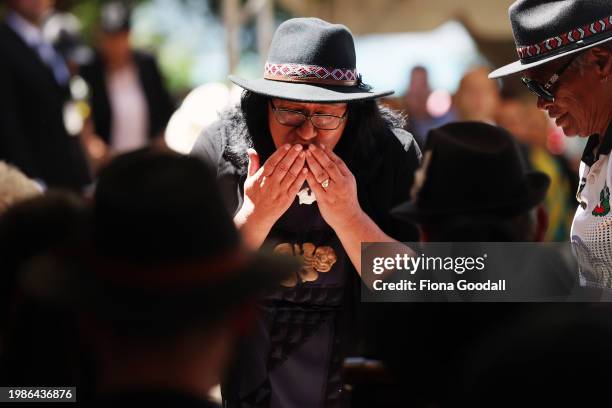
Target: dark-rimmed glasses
(543, 91)
(293, 118)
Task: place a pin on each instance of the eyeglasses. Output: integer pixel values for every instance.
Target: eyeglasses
(543, 91)
(323, 121)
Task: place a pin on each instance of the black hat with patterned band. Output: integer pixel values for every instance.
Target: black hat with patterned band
(311, 60)
(545, 30)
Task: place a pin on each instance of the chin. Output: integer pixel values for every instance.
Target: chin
(571, 131)
(568, 131)
(578, 132)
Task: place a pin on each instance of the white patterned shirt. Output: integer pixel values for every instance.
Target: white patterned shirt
(591, 232)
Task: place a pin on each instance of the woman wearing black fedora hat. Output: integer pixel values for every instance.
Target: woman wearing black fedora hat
(311, 166)
(565, 56)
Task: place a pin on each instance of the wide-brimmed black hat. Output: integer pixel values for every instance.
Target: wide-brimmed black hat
(545, 30)
(472, 168)
(164, 249)
(311, 60)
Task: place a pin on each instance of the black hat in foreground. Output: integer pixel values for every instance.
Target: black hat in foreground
(472, 168)
(545, 30)
(165, 249)
(311, 60)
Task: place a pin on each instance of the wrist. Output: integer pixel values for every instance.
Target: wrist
(243, 215)
(253, 227)
(349, 219)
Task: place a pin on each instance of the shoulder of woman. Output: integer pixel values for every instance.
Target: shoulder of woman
(225, 141)
(210, 143)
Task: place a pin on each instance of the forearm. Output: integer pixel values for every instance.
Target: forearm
(360, 229)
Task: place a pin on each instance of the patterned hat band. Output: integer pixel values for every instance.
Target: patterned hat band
(311, 74)
(571, 38)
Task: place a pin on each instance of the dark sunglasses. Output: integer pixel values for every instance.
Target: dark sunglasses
(288, 117)
(543, 91)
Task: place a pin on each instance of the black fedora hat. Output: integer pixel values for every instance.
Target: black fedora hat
(164, 250)
(545, 30)
(311, 60)
(472, 168)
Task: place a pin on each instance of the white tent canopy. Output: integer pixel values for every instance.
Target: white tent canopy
(484, 18)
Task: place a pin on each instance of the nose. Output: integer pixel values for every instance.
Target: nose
(307, 131)
(543, 103)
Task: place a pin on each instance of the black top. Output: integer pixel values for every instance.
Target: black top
(159, 103)
(594, 145)
(32, 132)
(294, 356)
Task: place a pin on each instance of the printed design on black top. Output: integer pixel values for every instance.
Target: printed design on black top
(315, 260)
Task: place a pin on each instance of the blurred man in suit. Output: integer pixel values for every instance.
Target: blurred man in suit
(34, 81)
(130, 103)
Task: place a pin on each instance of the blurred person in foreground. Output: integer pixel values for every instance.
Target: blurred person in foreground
(40, 342)
(166, 287)
(14, 186)
(130, 104)
(472, 187)
(475, 186)
(311, 166)
(473, 176)
(34, 128)
(533, 360)
(565, 57)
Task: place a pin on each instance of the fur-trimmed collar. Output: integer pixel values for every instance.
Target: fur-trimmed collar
(236, 138)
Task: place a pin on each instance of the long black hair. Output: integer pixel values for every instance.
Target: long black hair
(368, 124)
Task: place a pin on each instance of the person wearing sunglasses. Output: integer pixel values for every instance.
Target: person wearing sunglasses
(311, 166)
(565, 58)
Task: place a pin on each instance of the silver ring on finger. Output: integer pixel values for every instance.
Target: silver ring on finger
(325, 183)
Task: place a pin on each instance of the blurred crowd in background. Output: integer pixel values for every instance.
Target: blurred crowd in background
(120, 100)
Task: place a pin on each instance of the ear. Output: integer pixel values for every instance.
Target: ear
(602, 59)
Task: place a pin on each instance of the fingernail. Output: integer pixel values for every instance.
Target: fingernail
(322, 147)
(298, 147)
(302, 155)
(311, 147)
(287, 146)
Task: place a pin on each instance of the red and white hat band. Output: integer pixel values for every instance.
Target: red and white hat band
(311, 74)
(554, 43)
